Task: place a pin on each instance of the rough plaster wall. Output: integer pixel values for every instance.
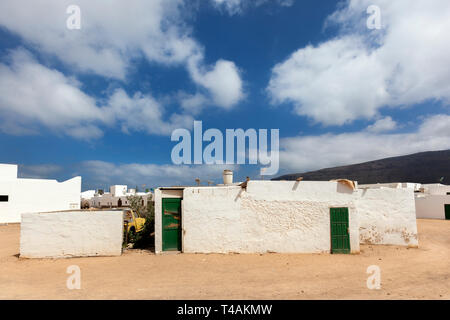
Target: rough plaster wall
(387, 216)
(431, 206)
(71, 234)
(268, 217)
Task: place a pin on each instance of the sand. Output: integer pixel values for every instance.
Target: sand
(406, 273)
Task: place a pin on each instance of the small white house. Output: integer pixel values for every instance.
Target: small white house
(19, 195)
(283, 217)
(433, 202)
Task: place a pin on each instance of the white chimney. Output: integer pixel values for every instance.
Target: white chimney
(227, 177)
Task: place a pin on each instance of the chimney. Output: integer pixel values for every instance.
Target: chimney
(227, 177)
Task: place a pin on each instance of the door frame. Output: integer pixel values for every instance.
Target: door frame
(180, 227)
(348, 231)
(446, 211)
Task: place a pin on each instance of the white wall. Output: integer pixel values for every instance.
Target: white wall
(436, 189)
(118, 190)
(431, 206)
(8, 172)
(71, 234)
(35, 195)
(270, 216)
(387, 216)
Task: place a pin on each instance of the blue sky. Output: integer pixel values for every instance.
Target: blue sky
(102, 101)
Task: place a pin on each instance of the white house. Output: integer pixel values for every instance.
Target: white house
(19, 195)
(282, 216)
(433, 202)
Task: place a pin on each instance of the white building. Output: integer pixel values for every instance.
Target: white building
(19, 195)
(116, 197)
(433, 202)
(282, 216)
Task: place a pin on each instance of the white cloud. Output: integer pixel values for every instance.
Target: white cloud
(382, 125)
(32, 95)
(115, 32)
(40, 171)
(301, 154)
(106, 173)
(111, 33)
(223, 81)
(144, 113)
(233, 7)
(355, 74)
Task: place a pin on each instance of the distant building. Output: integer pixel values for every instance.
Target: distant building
(19, 195)
(116, 197)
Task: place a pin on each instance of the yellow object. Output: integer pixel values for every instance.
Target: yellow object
(132, 222)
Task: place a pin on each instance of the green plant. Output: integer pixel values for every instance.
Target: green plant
(135, 203)
(144, 239)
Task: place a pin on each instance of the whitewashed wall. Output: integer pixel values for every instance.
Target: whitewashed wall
(270, 216)
(387, 216)
(431, 206)
(37, 195)
(71, 234)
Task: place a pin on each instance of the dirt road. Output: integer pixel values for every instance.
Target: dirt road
(422, 273)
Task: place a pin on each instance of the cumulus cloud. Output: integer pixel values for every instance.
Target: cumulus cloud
(307, 153)
(32, 95)
(223, 81)
(383, 125)
(115, 33)
(358, 72)
(144, 113)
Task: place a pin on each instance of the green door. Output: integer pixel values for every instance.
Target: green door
(171, 224)
(340, 237)
(447, 212)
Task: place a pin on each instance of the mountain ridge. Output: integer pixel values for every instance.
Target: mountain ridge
(423, 167)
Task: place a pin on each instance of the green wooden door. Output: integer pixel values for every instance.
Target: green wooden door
(447, 212)
(340, 237)
(171, 224)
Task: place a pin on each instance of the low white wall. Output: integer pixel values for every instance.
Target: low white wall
(37, 195)
(71, 234)
(387, 216)
(431, 206)
(270, 216)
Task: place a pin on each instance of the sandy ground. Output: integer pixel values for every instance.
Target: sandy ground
(422, 273)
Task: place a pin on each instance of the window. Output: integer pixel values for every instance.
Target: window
(4, 198)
